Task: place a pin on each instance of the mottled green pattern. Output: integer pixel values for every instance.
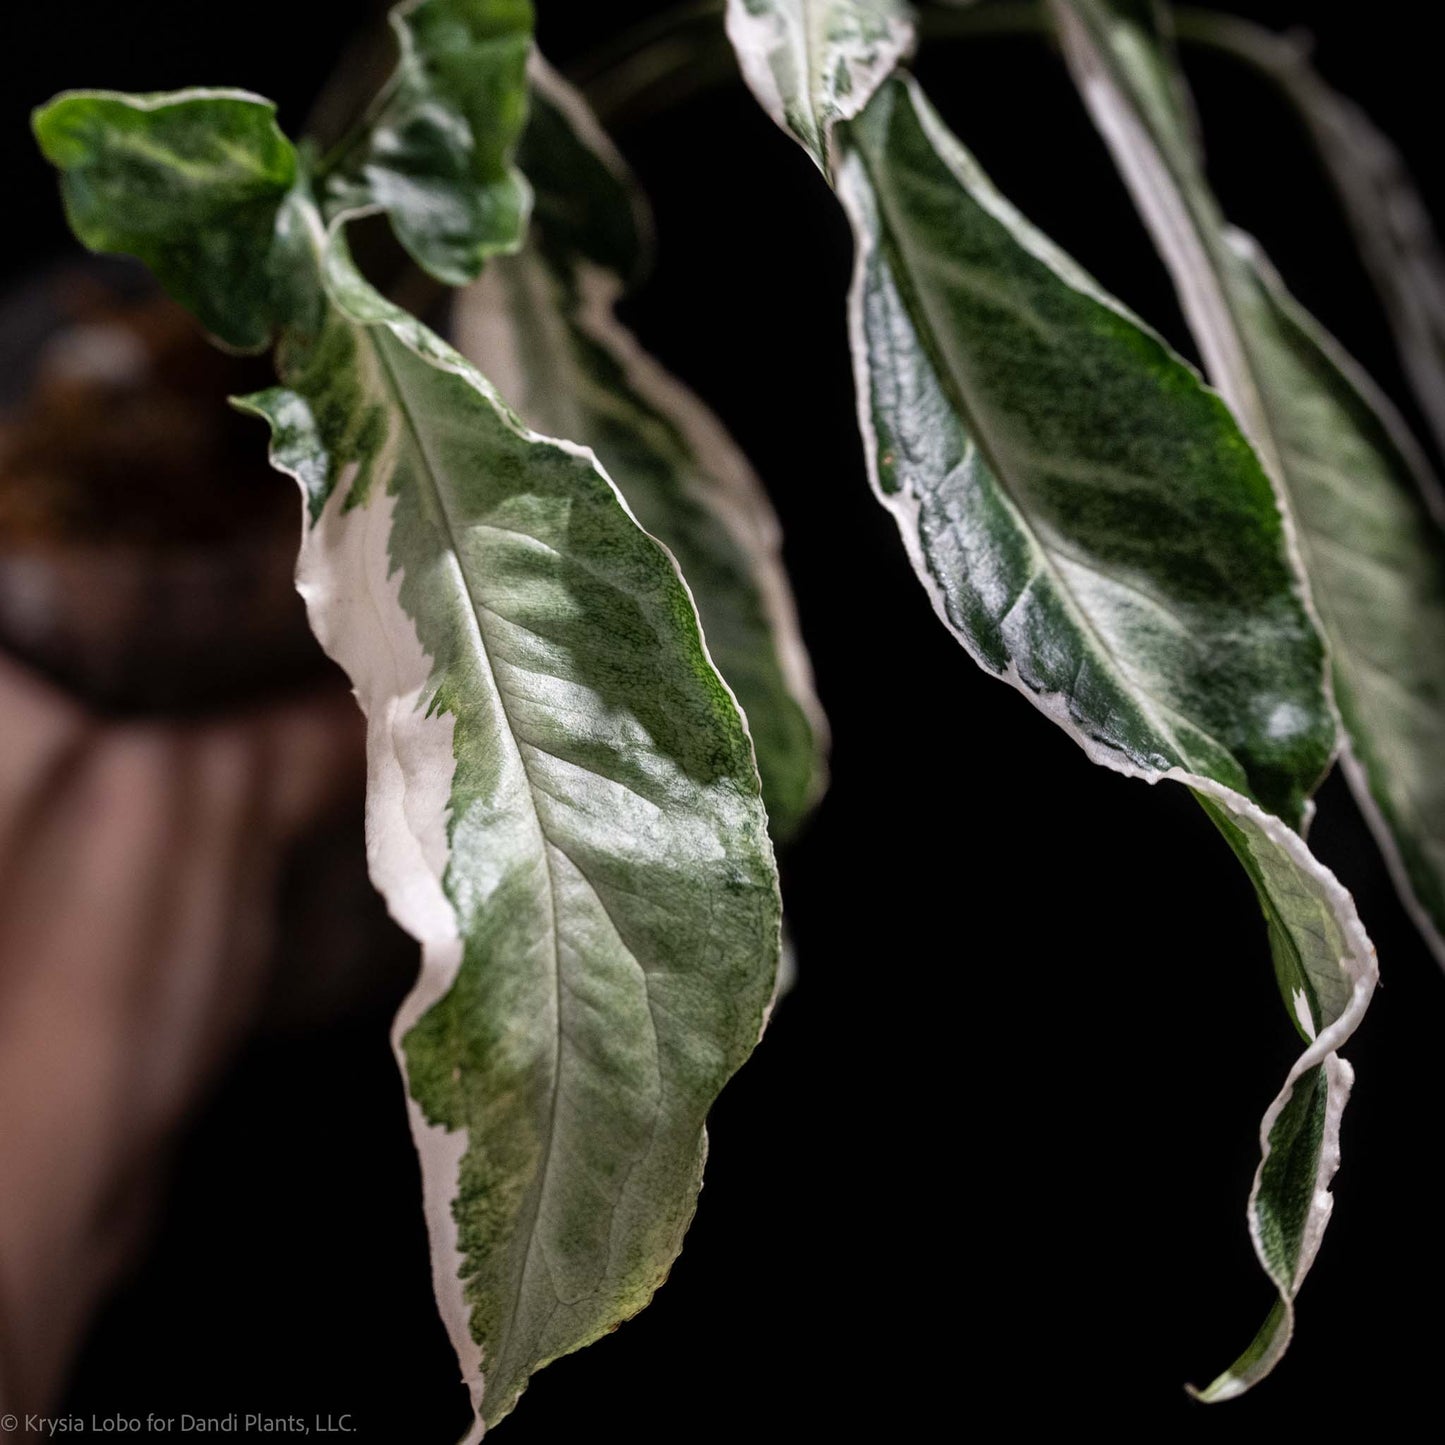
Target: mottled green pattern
(1375, 557)
(608, 868)
(1373, 554)
(190, 183)
(541, 324)
(1287, 1180)
(1084, 510)
(1087, 515)
(1093, 526)
(816, 62)
(436, 153)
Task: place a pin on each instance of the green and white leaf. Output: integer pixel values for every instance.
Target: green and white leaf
(543, 705)
(1007, 403)
(1352, 480)
(435, 153)
(813, 63)
(188, 182)
(1396, 235)
(1094, 528)
(542, 327)
(563, 806)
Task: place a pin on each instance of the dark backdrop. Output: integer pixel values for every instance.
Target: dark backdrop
(993, 1154)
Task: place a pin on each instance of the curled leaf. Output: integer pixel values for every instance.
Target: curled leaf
(436, 151)
(189, 182)
(813, 63)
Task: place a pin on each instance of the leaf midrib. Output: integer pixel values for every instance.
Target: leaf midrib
(918, 314)
(454, 555)
(1234, 278)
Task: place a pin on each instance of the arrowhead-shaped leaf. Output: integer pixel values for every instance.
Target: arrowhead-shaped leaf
(541, 325)
(1352, 479)
(436, 151)
(563, 806)
(813, 63)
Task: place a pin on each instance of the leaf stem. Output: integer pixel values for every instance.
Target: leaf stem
(1280, 54)
(680, 54)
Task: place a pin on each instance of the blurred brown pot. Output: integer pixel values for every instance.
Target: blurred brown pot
(146, 564)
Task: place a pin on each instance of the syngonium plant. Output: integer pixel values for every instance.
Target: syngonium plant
(556, 587)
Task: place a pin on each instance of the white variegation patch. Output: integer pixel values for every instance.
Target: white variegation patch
(813, 63)
(351, 592)
(543, 327)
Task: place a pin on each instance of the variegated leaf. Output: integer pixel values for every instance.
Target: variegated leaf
(813, 63)
(541, 325)
(435, 153)
(137, 172)
(1348, 473)
(1397, 237)
(1093, 527)
(563, 804)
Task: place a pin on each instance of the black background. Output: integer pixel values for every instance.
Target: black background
(991, 1160)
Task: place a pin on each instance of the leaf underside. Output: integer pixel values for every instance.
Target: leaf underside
(1390, 220)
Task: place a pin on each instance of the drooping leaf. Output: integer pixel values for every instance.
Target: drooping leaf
(541, 325)
(612, 929)
(188, 182)
(1396, 236)
(813, 63)
(436, 152)
(1089, 515)
(1352, 479)
(1093, 527)
(562, 806)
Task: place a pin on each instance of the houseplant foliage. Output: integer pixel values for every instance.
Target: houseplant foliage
(563, 803)
(590, 712)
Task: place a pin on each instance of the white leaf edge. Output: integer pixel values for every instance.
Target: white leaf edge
(410, 771)
(1359, 966)
(756, 38)
(739, 499)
